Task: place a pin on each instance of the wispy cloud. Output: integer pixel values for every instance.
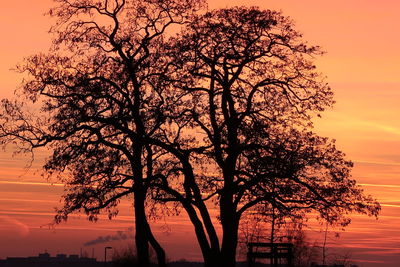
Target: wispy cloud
(30, 183)
(382, 127)
(383, 163)
(339, 120)
(20, 228)
(381, 185)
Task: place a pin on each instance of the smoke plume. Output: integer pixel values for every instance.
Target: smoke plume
(120, 235)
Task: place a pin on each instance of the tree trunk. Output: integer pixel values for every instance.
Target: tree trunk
(161, 260)
(141, 235)
(211, 256)
(230, 227)
(228, 211)
(213, 261)
(229, 243)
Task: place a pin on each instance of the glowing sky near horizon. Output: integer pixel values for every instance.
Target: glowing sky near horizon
(362, 41)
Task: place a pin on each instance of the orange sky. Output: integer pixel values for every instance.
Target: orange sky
(362, 42)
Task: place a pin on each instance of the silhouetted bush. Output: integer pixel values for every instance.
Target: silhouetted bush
(124, 257)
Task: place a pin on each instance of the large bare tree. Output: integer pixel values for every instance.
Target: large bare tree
(249, 91)
(100, 93)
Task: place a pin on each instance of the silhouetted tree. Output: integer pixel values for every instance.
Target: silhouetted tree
(100, 95)
(249, 90)
(221, 113)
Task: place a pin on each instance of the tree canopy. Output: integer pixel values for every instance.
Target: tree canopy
(219, 113)
(100, 94)
(251, 89)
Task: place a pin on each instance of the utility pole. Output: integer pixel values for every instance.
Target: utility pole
(324, 245)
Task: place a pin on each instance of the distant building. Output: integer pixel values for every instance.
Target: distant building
(333, 265)
(45, 260)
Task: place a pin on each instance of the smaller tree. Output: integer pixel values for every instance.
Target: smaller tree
(305, 252)
(249, 91)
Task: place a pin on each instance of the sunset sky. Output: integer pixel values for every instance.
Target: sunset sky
(362, 41)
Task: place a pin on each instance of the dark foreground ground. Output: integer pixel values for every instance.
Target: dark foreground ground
(62, 260)
(88, 262)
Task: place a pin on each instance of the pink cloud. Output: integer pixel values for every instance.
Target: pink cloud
(21, 229)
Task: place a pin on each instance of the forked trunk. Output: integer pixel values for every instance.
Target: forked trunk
(230, 226)
(144, 235)
(161, 259)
